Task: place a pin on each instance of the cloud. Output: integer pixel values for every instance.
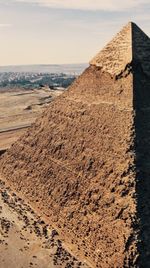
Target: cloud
(5, 25)
(108, 5)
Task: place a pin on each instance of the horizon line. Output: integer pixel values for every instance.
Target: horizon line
(44, 64)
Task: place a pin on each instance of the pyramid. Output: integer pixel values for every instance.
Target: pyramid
(130, 44)
(85, 163)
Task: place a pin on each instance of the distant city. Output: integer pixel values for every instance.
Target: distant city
(37, 76)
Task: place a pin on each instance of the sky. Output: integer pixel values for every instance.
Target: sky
(63, 31)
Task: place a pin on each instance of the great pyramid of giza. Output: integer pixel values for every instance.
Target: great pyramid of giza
(85, 163)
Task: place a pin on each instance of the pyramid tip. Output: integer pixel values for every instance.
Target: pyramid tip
(131, 42)
(132, 23)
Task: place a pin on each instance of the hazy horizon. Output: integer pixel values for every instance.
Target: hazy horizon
(47, 64)
(45, 68)
(45, 32)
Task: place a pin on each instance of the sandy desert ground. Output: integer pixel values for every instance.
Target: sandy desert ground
(19, 109)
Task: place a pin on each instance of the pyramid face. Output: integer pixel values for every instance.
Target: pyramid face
(130, 44)
(84, 164)
(141, 48)
(117, 54)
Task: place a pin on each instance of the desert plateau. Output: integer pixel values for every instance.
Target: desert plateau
(19, 108)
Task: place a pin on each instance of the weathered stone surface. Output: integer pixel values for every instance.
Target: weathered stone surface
(130, 44)
(77, 162)
(116, 54)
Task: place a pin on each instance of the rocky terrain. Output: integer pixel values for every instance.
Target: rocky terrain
(26, 240)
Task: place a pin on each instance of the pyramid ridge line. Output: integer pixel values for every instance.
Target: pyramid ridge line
(128, 45)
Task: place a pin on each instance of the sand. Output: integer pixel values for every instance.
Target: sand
(19, 108)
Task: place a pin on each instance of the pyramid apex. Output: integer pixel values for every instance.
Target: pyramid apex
(117, 53)
(131, 43)
(131, 22)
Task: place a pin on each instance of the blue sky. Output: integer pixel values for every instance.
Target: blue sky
(63, 31)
